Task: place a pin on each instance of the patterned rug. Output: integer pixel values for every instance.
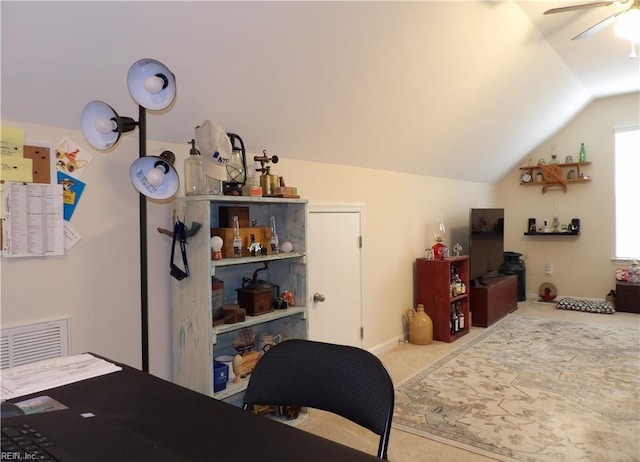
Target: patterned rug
(532, 390)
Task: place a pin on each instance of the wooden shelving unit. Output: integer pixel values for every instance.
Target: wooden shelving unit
(434, 292)
(196, 341)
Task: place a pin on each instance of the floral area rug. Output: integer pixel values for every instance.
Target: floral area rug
(532, 390)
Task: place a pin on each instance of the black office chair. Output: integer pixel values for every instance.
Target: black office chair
(344, 380)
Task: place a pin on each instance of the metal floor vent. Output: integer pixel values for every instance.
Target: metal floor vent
(34, 342)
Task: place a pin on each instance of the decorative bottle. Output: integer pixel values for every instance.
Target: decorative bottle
(420, 326)
(275, 248)
(582, 157)
(195, 181)
(237, 240)
(455, 326)
(460, 317)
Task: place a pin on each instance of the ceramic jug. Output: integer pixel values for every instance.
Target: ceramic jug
(420, 326)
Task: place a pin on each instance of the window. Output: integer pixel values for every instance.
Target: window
(627, 167)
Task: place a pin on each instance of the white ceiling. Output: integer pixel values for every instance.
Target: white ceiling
(459, 89)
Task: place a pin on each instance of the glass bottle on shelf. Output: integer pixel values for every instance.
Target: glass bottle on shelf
(460, 317)
(582, 157)
(195, 181)
(455, 326)
(275, 248)
(237, 240)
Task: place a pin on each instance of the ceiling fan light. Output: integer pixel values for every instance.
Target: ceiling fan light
(628, 25)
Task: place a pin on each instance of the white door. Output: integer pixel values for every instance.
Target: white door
(335, 274)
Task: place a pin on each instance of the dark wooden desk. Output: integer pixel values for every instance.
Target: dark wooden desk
(192, 425)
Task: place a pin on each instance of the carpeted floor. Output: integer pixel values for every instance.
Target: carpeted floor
(405, 361)
(532, 390)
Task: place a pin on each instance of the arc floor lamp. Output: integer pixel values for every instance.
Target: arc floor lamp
(153, 87)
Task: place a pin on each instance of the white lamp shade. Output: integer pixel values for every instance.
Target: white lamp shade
(99, 124)
(154, 177)
(151, 84)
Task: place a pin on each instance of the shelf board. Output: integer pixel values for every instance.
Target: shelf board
(459, 297)
(255, 320)
(232, 389)
(542, 183)
(571, 164)
(552, 234)
(256, 259)
(242, 199)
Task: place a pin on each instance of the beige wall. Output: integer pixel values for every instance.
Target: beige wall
(582, 266)
(96, 283)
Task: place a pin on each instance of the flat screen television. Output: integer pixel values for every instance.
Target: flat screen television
(486, 243)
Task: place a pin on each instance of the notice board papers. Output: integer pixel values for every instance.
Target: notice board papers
(32, 220)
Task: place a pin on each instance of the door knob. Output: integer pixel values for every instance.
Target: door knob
(318, 297)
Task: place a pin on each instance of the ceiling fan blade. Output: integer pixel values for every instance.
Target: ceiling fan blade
(598, 27)
(584, 5)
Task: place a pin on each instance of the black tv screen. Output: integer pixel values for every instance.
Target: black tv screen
(486, 242)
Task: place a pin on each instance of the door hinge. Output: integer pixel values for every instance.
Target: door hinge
(362, 333)
(359, 242)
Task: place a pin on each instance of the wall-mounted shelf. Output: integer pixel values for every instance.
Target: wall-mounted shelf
(552, 234)
(554, 176)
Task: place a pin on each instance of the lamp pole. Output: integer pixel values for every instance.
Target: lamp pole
(144, 280)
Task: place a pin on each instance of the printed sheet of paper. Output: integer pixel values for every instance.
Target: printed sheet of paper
(32, 220)
(51, 373)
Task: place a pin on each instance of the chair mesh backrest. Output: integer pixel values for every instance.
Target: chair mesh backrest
(344, 380)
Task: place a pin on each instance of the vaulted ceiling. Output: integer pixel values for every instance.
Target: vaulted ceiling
(459, 89)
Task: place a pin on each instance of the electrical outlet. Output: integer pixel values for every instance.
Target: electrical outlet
(547, 269)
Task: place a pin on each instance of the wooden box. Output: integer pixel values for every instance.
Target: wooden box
(255, 301)
(261, 234)
(494, 300)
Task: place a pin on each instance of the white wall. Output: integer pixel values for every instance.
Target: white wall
(582, 266)
(97, 282)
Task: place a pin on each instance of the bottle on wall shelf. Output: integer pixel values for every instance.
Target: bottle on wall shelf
(195, 181)
(275, 247)
(237, 240)
(582, 157)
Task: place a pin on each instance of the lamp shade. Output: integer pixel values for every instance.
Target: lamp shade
(151, 84)
(155, 176)
(99, 124)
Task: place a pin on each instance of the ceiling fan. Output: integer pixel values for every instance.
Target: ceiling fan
(627, 21)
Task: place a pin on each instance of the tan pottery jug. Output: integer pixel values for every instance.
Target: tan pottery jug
(420, 326)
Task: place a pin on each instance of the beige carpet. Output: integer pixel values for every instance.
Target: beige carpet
(532, 390)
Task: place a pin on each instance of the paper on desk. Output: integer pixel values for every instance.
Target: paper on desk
(51, 373)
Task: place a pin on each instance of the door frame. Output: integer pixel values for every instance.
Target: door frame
(322, 207)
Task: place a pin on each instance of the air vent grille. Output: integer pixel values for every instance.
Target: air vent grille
(34, 342)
